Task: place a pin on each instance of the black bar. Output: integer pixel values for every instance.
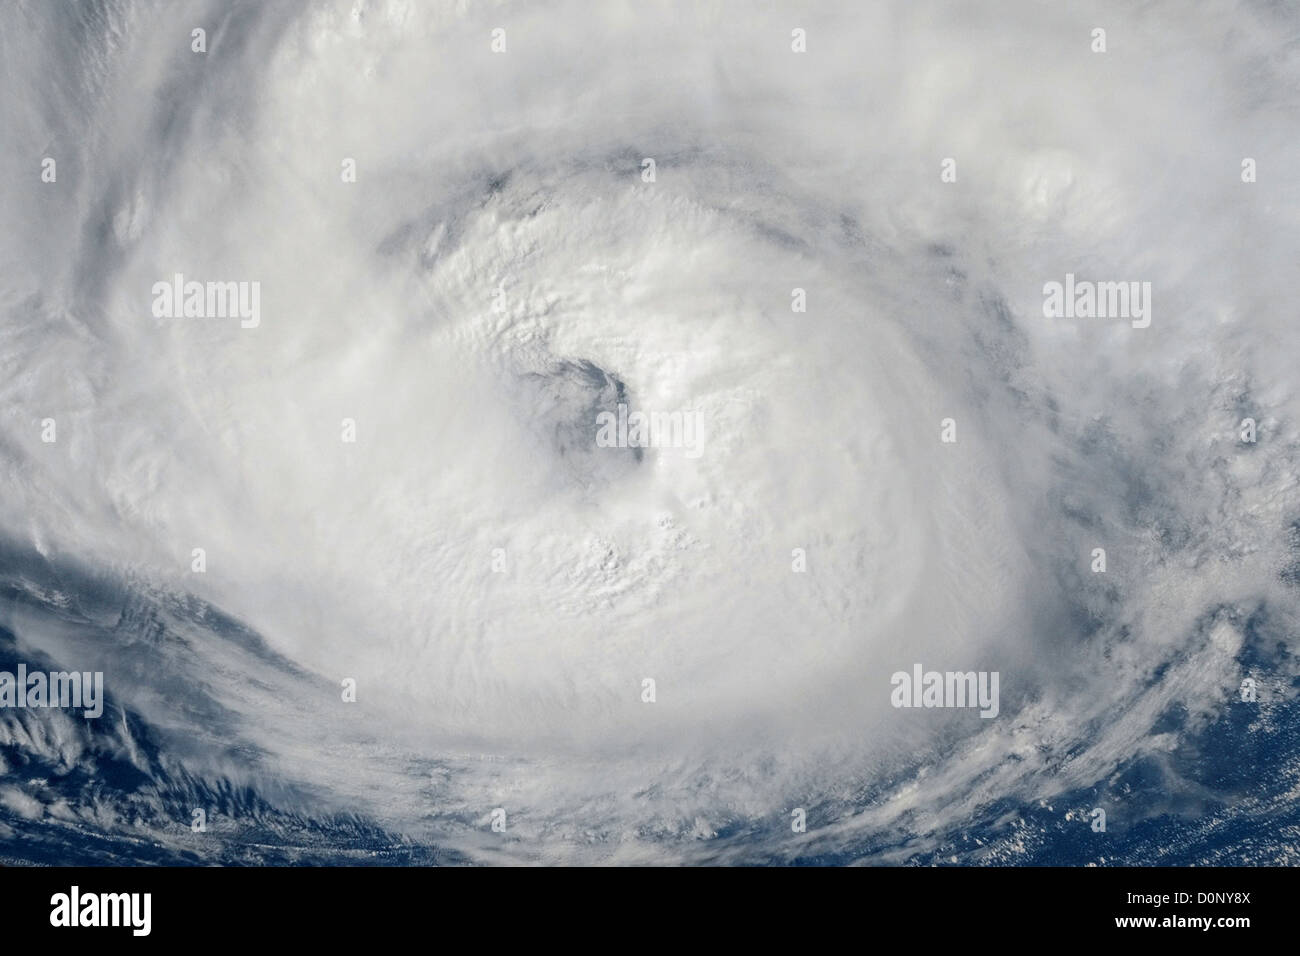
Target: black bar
(298, 905)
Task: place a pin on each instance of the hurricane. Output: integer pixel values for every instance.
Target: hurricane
(649, 433)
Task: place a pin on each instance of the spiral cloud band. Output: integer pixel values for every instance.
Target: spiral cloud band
(637, 433)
